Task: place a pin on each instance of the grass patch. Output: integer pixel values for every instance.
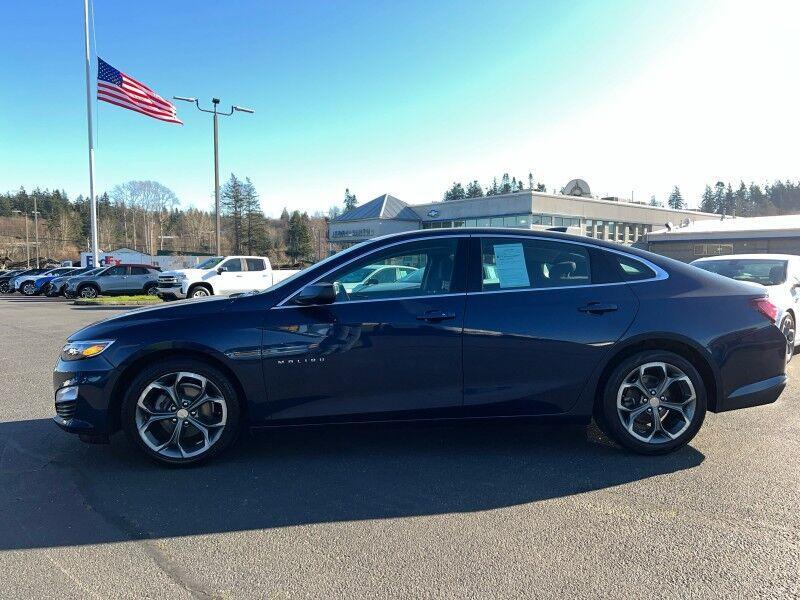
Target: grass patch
(140, 300)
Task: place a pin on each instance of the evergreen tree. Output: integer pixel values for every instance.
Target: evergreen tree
(494, 190)
(719, 197)
(505, 184)
(530, 181)
(540, 187)
(675, 199)
(232, 205)
(284, 214)
(742, 206)
(350, 200)
(252, 216)
(455, 193)
(728, 201)
(474, 190)
(707, 201)
(299, 246)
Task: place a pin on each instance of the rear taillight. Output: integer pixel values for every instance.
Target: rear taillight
(766, 308)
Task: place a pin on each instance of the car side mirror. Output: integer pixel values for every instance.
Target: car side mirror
(316, 293)
(221, 270)
(371, 281)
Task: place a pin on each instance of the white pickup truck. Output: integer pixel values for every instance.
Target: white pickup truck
(220, 276)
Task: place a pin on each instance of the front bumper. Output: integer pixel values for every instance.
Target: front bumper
(171, 292)
(755, 394)
(82, 391)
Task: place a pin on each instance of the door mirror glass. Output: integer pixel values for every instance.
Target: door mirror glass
(316, 293)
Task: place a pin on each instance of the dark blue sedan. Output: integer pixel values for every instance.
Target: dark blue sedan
(501, 323)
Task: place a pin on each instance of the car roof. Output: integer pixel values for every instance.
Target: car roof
(748, 257)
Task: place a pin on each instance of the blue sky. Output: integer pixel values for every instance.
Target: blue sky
(407, 97)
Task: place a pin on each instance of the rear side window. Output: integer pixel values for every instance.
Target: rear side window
(624, 268)
(516, 263)
(255, 264)
(139, 271)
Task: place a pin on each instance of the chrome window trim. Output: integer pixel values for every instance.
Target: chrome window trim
(660, 274)
(349, 302)
(359, 257)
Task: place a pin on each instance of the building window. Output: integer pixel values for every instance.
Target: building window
(471, 222)
(482, 222)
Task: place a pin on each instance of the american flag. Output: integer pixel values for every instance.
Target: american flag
(115, 87)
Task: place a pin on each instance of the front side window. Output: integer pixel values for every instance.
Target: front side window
(234, 265)
(428, 267)
(116, 271)
(515, 263)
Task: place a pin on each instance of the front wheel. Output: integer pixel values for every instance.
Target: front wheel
(199, 292)
(151, 290)
(4, 288)
(789, 329)
(28, 288)
(181, 412)
(88, 291)
(653, 403)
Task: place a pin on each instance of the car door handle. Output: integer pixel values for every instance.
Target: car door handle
(434, 316)
(598, 308)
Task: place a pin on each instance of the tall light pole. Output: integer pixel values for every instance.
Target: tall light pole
(36, 230)
(216, 113)
(27, 243)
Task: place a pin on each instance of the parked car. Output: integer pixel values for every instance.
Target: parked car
(6, 276)
(374, 275)
(56, 286)
(119, 279)
(8, 284)
(571, 327)
(31, 285)
(777, 274)
(220, 276)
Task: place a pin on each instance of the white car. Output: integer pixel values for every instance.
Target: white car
(778, 274)
(220, 276)
(373, 275)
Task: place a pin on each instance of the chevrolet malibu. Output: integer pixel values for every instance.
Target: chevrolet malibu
(501, 323)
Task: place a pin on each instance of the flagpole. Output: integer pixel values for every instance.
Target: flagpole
(92, 199)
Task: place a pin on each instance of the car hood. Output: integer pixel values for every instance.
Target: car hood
(199, 308)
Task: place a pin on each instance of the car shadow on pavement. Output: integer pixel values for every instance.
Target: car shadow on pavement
(56, 491)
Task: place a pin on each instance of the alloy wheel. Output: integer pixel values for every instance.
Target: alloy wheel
(88, 292)
(29, 289)
(656, 402)
(200, 292)
(789, 330)
(181, 415)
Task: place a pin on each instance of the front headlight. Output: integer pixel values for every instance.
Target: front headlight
(81, 350)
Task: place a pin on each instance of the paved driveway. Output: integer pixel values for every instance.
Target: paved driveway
(468, 510)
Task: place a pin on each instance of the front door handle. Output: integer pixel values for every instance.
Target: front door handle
(598, 308)
(434, 316)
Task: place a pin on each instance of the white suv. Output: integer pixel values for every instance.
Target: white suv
(220, 276)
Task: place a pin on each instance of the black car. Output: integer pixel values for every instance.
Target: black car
(502, 323)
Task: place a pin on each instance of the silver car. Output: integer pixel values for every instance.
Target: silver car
(119, 279)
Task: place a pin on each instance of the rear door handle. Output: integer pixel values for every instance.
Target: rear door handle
(598, 308)
(434, 316)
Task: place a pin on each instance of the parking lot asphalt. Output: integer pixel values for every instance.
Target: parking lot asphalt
(501, 510)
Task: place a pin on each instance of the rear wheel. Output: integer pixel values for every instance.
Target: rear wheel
(653, 403)
(789, 329)
(181, 412)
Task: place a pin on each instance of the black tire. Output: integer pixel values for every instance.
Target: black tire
(199, 291)
(5, 288)
(88, 290)
(151, 289)
(608, 417)
(152, 373)
(789, 329)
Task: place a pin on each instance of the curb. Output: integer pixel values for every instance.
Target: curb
(132, 303)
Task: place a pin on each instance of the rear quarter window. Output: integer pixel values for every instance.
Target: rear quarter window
(616, 268)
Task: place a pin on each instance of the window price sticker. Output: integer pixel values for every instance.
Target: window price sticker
(510, 263)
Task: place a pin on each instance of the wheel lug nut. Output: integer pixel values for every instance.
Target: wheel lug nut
(174, 420)
(194, 413)
(185, 403)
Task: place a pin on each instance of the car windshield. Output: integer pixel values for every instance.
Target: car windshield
(358, 275)
(413, 277)
(210, 263)
(756, 270)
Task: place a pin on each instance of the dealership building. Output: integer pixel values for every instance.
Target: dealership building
(607, 218)
(728, 235)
